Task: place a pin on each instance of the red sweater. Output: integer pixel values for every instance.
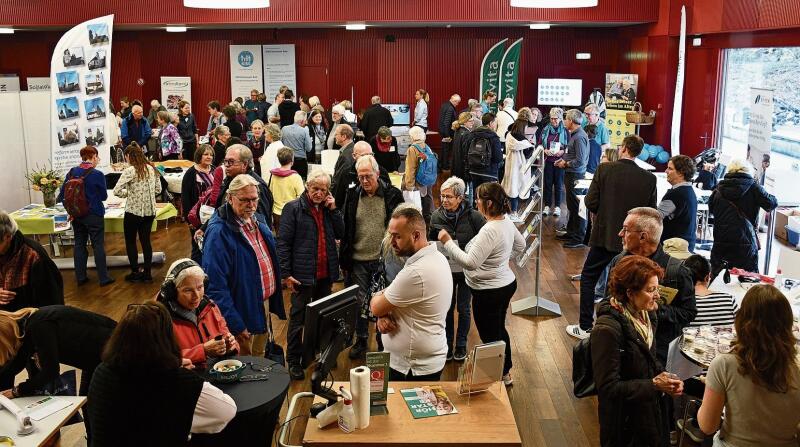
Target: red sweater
(191, 337)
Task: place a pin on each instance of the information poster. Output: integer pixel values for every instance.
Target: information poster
(246, 70)
(618, 126)
(79, 88)
(621, 90)
(560, 92)
(759, 134)
(175, 89)
(279, 69)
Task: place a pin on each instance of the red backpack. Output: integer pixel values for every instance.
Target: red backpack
(75, 201)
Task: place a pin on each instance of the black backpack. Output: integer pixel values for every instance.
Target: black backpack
(479, 154)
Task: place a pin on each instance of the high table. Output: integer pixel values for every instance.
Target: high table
(483, 419)
(258, 405)
(46, 428)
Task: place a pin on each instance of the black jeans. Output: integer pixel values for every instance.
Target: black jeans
(489, 308)
(141, 225)
(90, 227)
(361, 274)
(576, 226)
(461, 299)
(446, 155)
(297, 315)
(300, 166)
(596, 261)
(397, 376)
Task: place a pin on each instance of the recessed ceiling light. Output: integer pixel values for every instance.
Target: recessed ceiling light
(226, 4)
(6, 30)
(355, 27)
(540, 26)
(696, 42)
(176, 29)
(583, 56)
(552, 4)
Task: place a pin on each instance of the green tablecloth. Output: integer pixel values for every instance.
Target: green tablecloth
(36, 219)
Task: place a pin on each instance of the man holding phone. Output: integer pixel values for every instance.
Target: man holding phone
(309, 228)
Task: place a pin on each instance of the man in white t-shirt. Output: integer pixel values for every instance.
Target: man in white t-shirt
(411, 311)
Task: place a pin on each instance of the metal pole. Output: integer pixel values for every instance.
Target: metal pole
(768, 247)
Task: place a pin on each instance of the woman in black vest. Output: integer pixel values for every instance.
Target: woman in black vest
(141, 395)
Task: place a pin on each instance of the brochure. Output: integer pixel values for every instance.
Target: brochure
(428, 401)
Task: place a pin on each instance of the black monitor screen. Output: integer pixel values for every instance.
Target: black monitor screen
(326, 316)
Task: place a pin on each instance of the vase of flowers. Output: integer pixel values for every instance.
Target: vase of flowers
(47, 181)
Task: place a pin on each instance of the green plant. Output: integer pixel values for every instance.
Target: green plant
(44, 179)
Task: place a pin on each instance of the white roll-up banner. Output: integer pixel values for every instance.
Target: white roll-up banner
(175, 89)
(759, 134)
(279, 69)
(246, 70)
(80, 82)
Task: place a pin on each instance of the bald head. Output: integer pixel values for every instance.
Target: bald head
(137, 112)
(360, 149)
(455, 100)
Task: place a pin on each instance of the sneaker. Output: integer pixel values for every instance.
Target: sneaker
(107, 282)
(146, 277)
(556, 211)
(449, 353)
(575, 330)
(134, 277)
(296, 372)
(514, 217)
(692, 430)
(563, 237)
(460, 354)
(573, 245)
(507, 380)
(561, 232)
(359, 349)
(575, 277)
(546, 211)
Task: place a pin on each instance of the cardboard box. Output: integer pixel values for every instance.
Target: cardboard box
(782, 220)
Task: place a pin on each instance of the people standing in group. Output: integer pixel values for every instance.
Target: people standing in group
(139, 184)
(346, 179)
(448, 114)
(616, 188)
(630, 380)
(554, 139)
(375, 117)
(319, 135)
(251, 107)
(196, 181)
(273, 114)
(215, 117)
(272, 135)
(28, 277)
(257, 143)
(169, 139)
(484, 152)
(735, 205)
(238, 230)
(679, 204)
(337, 119)
(310, 227)
(417, 154)
(221, 134)
(92, 225)
(367, 209)
(412, 310)
(284, 183)
(187, 128)
(462, 223)
(239, 160)
(288, 109)
(297, 137)
(516, 178)
(506, 115)
(384, 147)
(489, 98)
(486, 266)
(234, 126)
(155, 107)
(713, 308)
(573, 162)
(421, 109)
(135, 128)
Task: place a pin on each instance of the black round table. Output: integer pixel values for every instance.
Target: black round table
(258, 405)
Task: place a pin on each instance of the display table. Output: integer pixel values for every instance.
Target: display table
(46, 428)
(483, 419)
(36, 219)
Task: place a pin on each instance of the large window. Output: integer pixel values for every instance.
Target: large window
(778, 69)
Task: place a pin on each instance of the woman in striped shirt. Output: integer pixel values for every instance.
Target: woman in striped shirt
(713, 308)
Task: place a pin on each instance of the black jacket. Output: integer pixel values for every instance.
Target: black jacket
(373, 119)
(391, 198)
(45, 285)
(447, 114)
(387, 160)
(616, 188)
(630, 409)
(297, 241)
(460, 167)
(189, 193)
(347, 179)
(187, 128)
(677, 315)
(497, 151)
(735, 205)
(265, 200)
(219, 153)
(286, 110)
(463, 228)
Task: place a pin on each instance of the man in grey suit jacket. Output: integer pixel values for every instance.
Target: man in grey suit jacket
(616, 188)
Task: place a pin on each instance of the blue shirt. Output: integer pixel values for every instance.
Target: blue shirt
(297, 137)
(252, 110)
(95, 186)
(602, 135)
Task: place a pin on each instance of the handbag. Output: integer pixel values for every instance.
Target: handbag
(413, 197)
(273, 351)
(582, 373)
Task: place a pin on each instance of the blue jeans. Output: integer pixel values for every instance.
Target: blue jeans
(553, 184)
(362, 275)
(462, 299)
(91, 227)
(514, 202)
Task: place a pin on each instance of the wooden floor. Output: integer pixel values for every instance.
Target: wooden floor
(546, 412)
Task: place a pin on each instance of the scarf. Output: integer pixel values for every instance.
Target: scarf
(382, 147)
(640, 322)
(452, 216)
(16, 264)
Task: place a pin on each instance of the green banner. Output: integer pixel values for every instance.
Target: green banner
(490, 71)
(509, 72)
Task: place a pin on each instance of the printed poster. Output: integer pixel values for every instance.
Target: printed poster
(279, 69)
(759, 134)
(175, 89)
(246, 72)
(618, 126)
(621, 90)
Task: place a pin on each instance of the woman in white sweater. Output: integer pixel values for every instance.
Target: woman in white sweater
(485, 260)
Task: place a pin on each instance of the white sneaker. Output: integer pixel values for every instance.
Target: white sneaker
(546, 211)
(507, 380)
(557, 211)
(575, 330)
(513, 217)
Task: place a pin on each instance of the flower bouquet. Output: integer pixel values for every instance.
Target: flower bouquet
(47, 181)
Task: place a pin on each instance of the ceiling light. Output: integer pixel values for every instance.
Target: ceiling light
(540, 26)
(355, 27)
(6, 30)
(696, 42)
(552, 4)
(176, 29)
(583, 56)
(226, 4)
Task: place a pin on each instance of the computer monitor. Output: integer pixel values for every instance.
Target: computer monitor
(329, 328)
(401, 113)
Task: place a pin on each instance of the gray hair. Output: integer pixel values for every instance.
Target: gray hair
(574, 115)
(649, 221)
(273, 130)
(739, 165)
(7, 225)
(362, 148)
(300, 116)
(188, 272)
(338, 108)
(591, 108)
(313, 101)
(245, 154)
(256, 122)
(416, 134)
(318, 176)
(221, 130)
(368, 160)
(508, 102)
(454, 184)
(556, 112)
(240, 182)
(471, 103)
(376, 99)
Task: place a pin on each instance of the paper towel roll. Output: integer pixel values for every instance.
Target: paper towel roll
(359, 387)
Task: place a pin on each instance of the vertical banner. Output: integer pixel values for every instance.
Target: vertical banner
(9, 83)
(279, 69)
(246, 73)
(677, 107)
(759, 134)
(618, 126)
(490, 71)
(175, 89)
(509, 72)
(80, 76)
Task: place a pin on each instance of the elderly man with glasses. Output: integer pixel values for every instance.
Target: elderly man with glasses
(241, 261)
(239, 160)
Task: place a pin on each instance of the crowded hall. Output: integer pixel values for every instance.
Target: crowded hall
(509, 223)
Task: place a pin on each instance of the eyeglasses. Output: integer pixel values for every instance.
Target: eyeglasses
(447, 197)
(626, 230)
(246, 200)
(230, 162)
(365, 178)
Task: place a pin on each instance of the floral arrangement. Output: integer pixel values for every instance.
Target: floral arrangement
(45, 180)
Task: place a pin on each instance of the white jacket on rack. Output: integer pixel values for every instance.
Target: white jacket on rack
(514, 179)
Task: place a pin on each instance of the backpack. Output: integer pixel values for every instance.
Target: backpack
(479, 154)
(75, 201)
(427, 171)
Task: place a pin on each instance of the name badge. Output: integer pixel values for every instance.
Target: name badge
(392, 149)
(351, 185)
(667, 293)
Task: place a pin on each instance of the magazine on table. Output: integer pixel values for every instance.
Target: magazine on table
(428, 401)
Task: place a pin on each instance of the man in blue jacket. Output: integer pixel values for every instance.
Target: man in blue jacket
(135, 128)
(241, 261)
(573, 162)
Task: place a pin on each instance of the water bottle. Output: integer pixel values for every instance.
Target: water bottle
(779, 282)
